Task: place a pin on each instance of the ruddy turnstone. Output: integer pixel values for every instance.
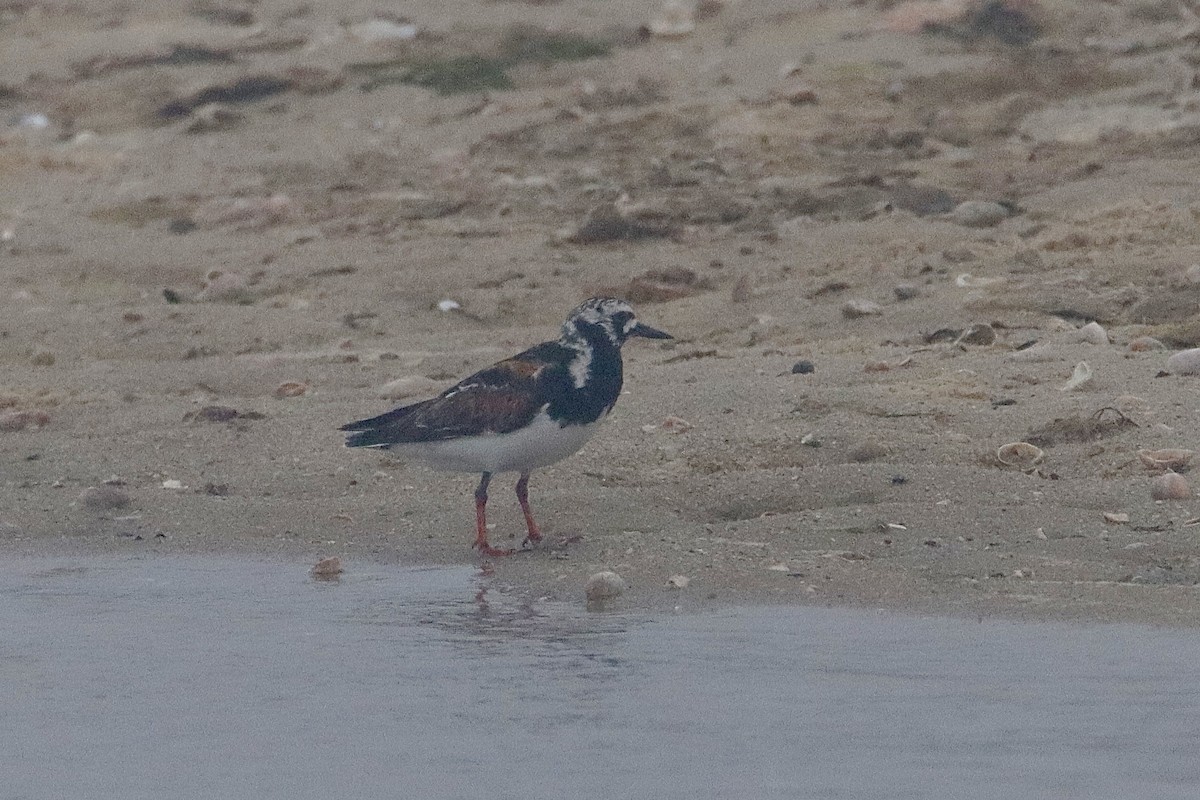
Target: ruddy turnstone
(525, 412)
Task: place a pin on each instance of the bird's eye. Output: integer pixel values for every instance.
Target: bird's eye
(621, 319)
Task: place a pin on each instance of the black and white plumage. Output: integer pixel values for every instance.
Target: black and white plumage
(525, 412)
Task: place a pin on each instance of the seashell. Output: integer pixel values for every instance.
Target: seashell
(290, 389)
(854, 309)
(603, 586)
(1185, 362)
(1144, 343)
(327, 568)
(1021, 455)
(978, 214)
(1093, 333)
(1170, 486)
(1081, 377)
(1170, 458)
(969, 281)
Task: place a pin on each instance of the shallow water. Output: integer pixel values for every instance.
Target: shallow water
(191, 677)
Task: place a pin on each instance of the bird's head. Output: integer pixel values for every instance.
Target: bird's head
(610, 318)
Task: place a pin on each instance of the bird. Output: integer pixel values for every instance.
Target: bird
(520, 414)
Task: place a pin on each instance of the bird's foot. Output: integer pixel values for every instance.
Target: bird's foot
(486, 549)
(532, 541)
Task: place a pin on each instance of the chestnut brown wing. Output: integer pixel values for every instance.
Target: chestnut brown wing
(499, 399)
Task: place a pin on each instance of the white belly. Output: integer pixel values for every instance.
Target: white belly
(539, 444)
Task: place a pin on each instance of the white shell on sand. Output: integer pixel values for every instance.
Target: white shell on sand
(1185, 362)
(1021, 455)
(604, 586)
(1080, 378)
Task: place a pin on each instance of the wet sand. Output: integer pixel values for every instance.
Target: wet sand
(258, 209)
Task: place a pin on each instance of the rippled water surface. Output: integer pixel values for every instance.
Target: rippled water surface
(206, 678)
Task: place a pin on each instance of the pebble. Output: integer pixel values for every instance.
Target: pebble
(408, 386)
(1185, 362)
(803, 368)
(906, 291)
(678, 581)
(1170, 486)
(1080, 378)
(173, 484)
(854, 309)
(290, 389)
(446, 306)
(13, 421)
(104, 498)
(978, 214)
(1144, 344)
(329, 567)
(604, 586)
(1093, 333)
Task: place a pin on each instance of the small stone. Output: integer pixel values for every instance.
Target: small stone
(1185, 362)
(327, 568)
(1170, 486)
(978, 214)
(173, 484)
(1144, 344)
(447, 305)
(1114, 518)
(1093, 333)
(603, 586)
(42, 358)
(290, 389)
(855, 309)
(678, 581)
(803, 368)
(13, 421)
(103, 498)
(906, 291)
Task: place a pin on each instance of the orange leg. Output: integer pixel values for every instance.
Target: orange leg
(535, 535)
(481, 542)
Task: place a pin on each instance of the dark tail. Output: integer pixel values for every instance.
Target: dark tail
(373, 432)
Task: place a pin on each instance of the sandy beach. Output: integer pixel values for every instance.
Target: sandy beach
(890, 239)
